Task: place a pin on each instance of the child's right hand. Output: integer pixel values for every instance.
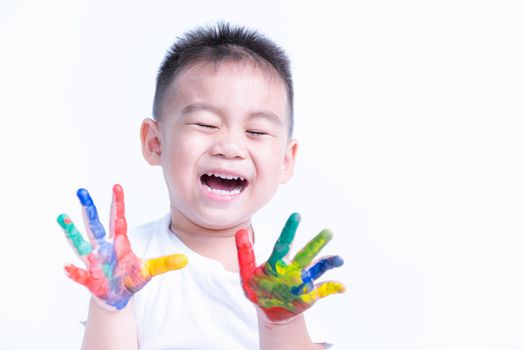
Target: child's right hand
(114, 273)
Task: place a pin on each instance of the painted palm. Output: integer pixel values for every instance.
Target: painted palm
(114, 273)
(282, 288)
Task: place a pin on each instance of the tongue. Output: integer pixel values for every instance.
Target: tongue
(221, 184)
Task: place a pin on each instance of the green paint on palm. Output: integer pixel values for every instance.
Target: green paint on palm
(275, 290)
(81, 245)
(108, 271)
(272, 302)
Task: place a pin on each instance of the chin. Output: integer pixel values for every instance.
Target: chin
(222, 221)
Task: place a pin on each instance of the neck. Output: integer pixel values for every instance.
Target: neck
(216, 244)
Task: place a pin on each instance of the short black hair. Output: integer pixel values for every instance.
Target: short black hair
(216, 44)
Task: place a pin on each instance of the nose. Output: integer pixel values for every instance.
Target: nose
(230, 145)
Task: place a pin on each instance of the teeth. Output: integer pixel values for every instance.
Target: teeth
(223, 192)
(227, 177)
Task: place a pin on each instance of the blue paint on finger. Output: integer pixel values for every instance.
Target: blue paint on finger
(92, 215)
(322, 266)
(315, 272)
(85, 198)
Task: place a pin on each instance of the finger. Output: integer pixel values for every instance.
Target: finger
(315, 272)
(283, 243)
(246, 263)
(74, 237)
(158, 266)
(117, 220)
(118, 224)
(322, 290)
(94, 228)
(322, 266)
(306, 255)
(246, 256)
(77, 274)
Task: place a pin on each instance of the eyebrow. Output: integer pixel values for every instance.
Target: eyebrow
(200, 106)
(268, 115)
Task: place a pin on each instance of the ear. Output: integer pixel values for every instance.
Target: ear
(288, 165)
(150, 138)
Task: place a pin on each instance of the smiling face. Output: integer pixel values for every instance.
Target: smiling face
(222, 142)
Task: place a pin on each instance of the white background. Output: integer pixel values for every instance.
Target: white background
(410, 118)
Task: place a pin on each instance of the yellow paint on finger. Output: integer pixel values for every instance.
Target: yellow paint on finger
(158, 266)
(322, 291)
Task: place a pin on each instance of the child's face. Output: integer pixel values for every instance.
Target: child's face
(222, 142)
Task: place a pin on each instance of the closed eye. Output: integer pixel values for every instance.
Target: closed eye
(257, 133)
(205, 126)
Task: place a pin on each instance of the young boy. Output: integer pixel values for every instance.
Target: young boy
(223, 120)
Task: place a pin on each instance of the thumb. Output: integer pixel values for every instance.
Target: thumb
(158, 266)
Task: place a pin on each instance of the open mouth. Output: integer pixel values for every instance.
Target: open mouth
(223, 184)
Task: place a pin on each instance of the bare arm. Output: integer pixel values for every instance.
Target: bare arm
(286, 336)
(111, 330)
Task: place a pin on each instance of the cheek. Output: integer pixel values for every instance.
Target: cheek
(177, 163)
(184, 151)
(194, 142)
(269, 162)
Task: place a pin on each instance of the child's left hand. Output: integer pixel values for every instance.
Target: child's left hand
(285, 289)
